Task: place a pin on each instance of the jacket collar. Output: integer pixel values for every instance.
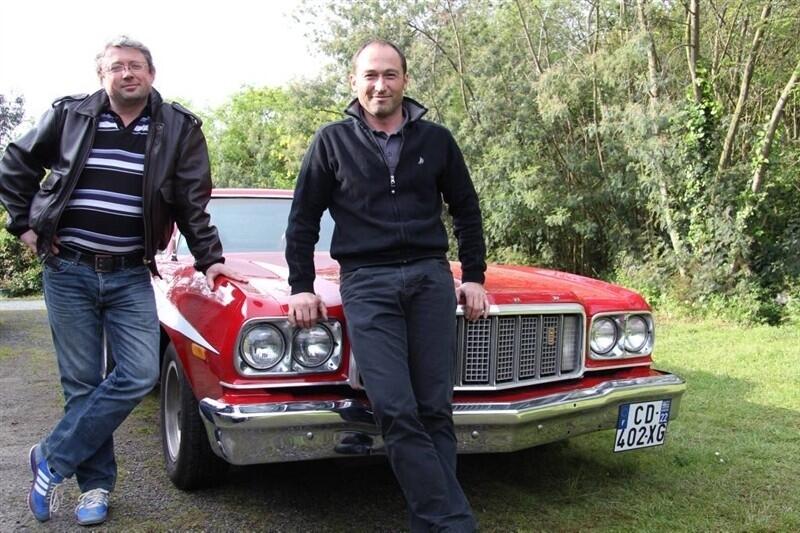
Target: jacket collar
(97, 102)
(414, 110)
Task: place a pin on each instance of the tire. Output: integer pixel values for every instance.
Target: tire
(188, 457)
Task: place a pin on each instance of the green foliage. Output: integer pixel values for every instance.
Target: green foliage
(11, 113)
(258, 138)
(587, 155)
(20, 271)
(582, 163)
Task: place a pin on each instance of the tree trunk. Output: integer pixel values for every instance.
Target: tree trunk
(457, 64)
(461, 68)
(744, 88)
(596, 91)
(693, 44)
(528, 39)
(652, 69)
(720, 51)
(543, 39)
(652, 58)
(772, 126)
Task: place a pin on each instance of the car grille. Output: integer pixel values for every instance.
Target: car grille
(512, 350)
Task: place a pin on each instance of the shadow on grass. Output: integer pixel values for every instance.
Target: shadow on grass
(717, 471)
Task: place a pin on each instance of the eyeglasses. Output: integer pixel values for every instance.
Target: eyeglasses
(134, 67)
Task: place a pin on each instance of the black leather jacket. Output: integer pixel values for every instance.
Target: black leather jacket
(176, 184)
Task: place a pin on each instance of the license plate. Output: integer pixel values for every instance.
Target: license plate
(641, 425)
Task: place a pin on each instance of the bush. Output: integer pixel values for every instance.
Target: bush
(650, 278)
(746, 302)
(21, 271)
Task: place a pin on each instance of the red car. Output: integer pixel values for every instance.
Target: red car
(559, 355)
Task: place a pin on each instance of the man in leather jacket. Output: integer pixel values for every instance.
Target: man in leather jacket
(123, 166)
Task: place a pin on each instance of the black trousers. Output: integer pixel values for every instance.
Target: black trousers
(401, 324)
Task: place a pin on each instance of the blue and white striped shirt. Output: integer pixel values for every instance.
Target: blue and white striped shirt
(104, 213)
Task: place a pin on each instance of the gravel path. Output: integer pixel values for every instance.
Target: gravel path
(311, 496)
(21, 305)
(352, 495)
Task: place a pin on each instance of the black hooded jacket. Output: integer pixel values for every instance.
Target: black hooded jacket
(382, 218)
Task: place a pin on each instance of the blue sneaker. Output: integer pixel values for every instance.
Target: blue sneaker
(43, 498)
(92, 507)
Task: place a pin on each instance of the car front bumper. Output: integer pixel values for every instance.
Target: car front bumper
(299, 431)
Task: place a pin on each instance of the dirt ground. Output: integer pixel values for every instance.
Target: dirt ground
(312, 496)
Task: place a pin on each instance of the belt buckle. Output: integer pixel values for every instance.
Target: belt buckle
(104, 263)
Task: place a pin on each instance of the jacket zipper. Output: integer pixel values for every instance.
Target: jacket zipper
(392, 181)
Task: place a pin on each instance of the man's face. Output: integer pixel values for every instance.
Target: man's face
(125, 75)
(379, 81)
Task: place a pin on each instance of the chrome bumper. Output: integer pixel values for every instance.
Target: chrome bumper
(299, 431)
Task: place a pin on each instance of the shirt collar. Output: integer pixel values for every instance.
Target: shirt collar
(145, 112)
(378, 132)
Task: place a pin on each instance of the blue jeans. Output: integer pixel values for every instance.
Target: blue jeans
(402, 326)
(81, 304)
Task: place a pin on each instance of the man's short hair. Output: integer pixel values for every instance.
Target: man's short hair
(382, 42)
(123, 41)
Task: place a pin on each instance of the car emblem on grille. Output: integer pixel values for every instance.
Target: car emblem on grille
(551, 336)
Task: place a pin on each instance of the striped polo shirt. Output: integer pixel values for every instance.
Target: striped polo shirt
(104, 213)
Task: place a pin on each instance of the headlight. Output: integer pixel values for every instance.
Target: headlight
(603, 336)
(312, 347)
(637, 333)
(263, 346)
(271, 347)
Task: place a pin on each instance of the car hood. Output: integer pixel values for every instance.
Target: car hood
(267, 275)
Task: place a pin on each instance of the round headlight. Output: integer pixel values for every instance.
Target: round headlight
(636, 333)
(263, 347)
(604, 335)
(312, 347)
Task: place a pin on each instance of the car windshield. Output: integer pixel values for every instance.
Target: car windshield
(256, 225)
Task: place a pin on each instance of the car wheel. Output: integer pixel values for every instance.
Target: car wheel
(190, 462)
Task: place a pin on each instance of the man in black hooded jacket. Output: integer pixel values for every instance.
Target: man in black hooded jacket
(383, 174)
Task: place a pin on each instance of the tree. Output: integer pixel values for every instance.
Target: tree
(11, 113)
(608, 135)
(20, 272)
(258, 138)
(771, 129)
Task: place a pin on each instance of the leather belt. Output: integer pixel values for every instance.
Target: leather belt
(102, 262)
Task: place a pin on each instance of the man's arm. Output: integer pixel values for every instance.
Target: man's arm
(311, 198)
(462, 202)
(193, 183)
(193, 191)
(22, 168)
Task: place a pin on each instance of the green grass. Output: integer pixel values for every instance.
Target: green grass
(730, 462)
